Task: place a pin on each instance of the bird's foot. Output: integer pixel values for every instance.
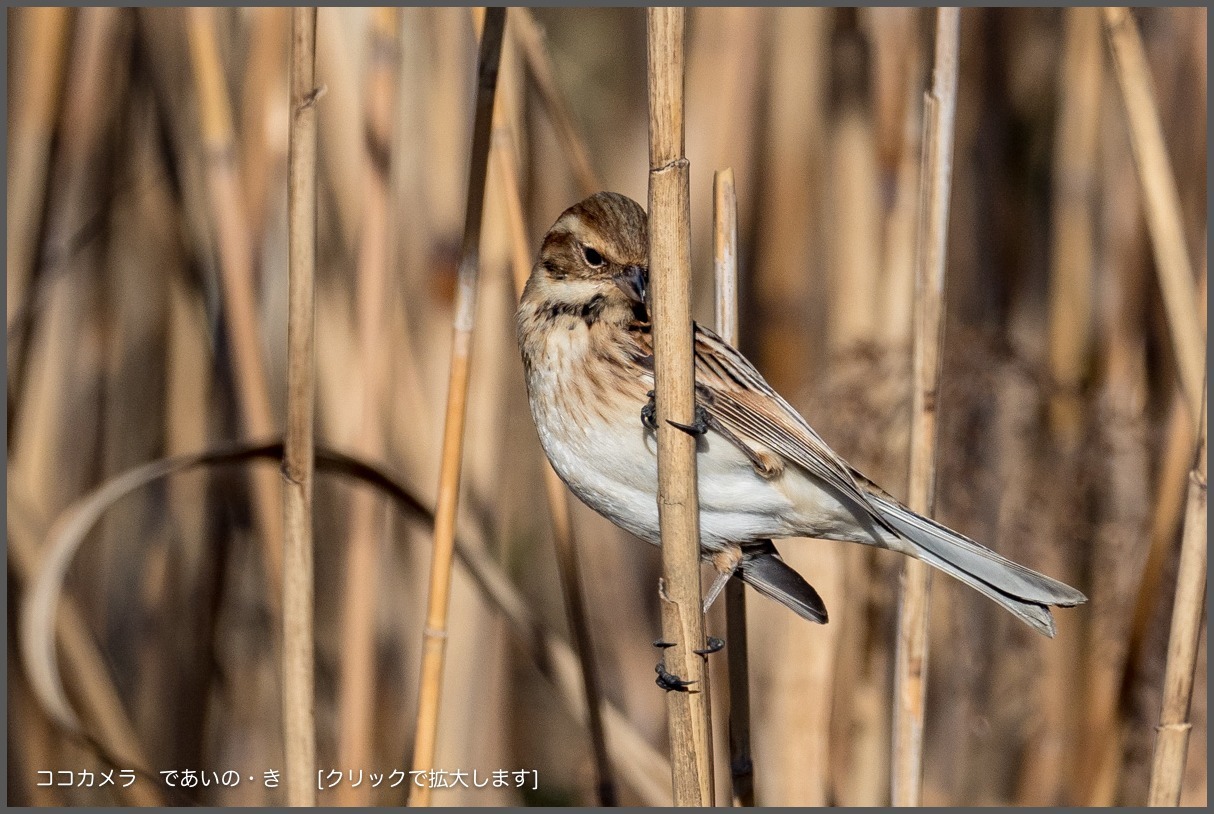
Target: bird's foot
(697, 427)
(666, 679)
(649, 413)
(669, 681)
(715, 645)
(649, 417)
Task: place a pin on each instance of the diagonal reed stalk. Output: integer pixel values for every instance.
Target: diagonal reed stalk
(434, 637)
(725, 268)
(298, 462)
(1177, 282)
(237, 270)
(910, 667)
(530, 36)
(1172, 740)
(678, 504)
(506, 172)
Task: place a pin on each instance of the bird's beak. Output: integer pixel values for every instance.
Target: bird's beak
(633, 281)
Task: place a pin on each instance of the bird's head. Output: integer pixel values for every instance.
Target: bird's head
(597, 253)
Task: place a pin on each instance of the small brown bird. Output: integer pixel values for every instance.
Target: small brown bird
(584, 333)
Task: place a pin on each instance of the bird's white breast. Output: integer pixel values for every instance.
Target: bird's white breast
(598, 444)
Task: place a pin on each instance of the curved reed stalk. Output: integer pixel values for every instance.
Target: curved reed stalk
(641, 766)
(434, 637)
(678, 505)
(910, 668)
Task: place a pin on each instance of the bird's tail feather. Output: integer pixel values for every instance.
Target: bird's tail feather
(763, 569)
(1022, 591)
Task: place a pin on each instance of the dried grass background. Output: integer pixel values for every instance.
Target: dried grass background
(1064, 440)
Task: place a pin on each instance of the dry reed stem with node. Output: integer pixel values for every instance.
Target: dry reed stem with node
(725, 270)
(434, 637)
(298, 462)
(911, 655)
(1172, 738)
(506, 173)
(678, 507)
(123, 360)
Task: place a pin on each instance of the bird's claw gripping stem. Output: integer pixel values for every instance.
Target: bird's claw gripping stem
(649, 413)
(649, 418)
(666, 679)
(669, 681)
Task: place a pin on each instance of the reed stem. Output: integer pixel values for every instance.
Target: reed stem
(1162, 203)
(530, 36)
(434, 637)
(235, 249)
(507, 173)
(725, 267)
(298, 464)
(678, 504)
(367, 515)
(1188, 612)
(910, 668)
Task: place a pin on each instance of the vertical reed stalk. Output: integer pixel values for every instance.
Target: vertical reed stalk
(1172, 742)
(507, 174)
(298, 658)
(357, 684)
(725, 267)
(236, 268)
(678, 504)
(262, 113)
(1162, 203)
(434, 637)
(35, 110)
(1072, 228)
(910, 669)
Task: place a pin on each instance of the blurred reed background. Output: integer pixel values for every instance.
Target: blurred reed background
(147, 318)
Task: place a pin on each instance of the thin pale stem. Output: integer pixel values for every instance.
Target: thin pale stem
(910, 669)
(434, 637)
(1188, 610)
(367, 517)
(725, 267)
(298, 464)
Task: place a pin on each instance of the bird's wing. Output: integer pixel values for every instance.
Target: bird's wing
(734, 394)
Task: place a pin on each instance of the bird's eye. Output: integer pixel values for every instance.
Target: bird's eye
(593, 258)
